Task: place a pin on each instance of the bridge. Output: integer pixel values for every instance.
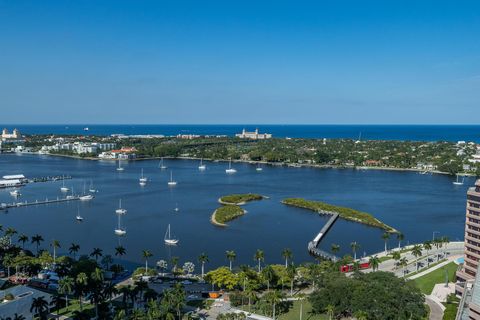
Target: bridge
(313, 245)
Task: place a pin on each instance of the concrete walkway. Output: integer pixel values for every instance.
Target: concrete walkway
(438, 266)
(436, 312)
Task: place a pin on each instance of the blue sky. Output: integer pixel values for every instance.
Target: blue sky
(312, 62)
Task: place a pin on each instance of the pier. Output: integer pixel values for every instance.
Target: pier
(6, 206)
(49, 178)
(313, 245)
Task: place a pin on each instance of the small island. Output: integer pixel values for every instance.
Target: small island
(345, 213)
(239, 199)
(226, 213)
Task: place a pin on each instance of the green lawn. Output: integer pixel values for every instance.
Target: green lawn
(294, 312)
(428, 281)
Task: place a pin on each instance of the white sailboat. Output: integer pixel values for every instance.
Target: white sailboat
(172, 182)
(459, 183)
(79, 217)
(15, 193)
(161, 165)
(143, 180)
(202, 167)
(120, 210)
(230, 170)
(120, 168)
(259, 168)
(85, 196)
(168, 239)
(176, 208)
(91, 188)
(71, 196)
(63, 188)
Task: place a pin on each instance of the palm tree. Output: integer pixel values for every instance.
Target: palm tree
(427, 245)
(55, 244)
(74, 248)
(231, 255)
(355, 246)
(446, 241)
(330, 311)
(268, 274)
(259, 257)
(39, 306)
(9, 233)
(396, 256)
(17, 316)
(361, 315)
(335, 248)
(97, 277)
(274, 298)
(97, 252)
(203, 258)
(120, 251)
(287, 255)
(403, 262)
(146, 254)
(174, 264)
(37, 239)
(81, 281)
(291, 272)
(65, 286)
(374, 262)
(56, 302)
(385, 238)
(400, 237)
(23, 238)
(417, 252)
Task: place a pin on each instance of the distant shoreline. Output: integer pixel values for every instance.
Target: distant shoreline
(273, 164)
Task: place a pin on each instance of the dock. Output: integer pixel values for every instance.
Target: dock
(313, 245)
(6, 206)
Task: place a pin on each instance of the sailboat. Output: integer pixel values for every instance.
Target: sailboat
(161, 165)
(168, 239)
(202, 167)
(120, 210)
(171, 182)
(459, 183)
(63, 188)
(79, 217)
(91, 188)
(71, 196)
(259, 168)
(85, 196)
(143, 179)
(230, 170)
(15, 193)
(120, 168)
(176, 208)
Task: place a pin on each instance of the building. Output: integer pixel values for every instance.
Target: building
(253, 135)
(469, 306)
(124, 153)
(472, 240)
(12, 138)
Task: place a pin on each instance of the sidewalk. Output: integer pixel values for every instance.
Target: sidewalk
(438, 266)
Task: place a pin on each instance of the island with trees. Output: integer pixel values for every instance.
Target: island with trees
(226, 213)
(240, 199)
(345, 213)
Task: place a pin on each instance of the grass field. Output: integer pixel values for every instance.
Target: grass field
(294, 313)
(428, 281)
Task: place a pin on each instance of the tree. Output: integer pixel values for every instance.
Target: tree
(396, 256)
(65, 286)
(287, 255)
(188, 267)
(403, 262)
(400, 238)
(55, 244)
(39, 307)
(268, 274)
(120, 251)
(107, 260)
(223, 278)
(355, 246)
(274, 297)
(291, 272)
(386, 237)
(146, 254)
(74, 248)
(335, 248)
(231, 255)
(81, 284)
(174, 264)
(374, 262)
(203, 258)
(9, 233)
(97, 252)
(56, 303)
(37, 239)
(427, 245)
(162, 265)
(259, 257)
(23, 238)
(417, 252)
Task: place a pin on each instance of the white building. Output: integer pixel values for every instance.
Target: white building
(476, 157)
(253, 135)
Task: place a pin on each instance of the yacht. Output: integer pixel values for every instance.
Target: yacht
(120, 210)
(143, 179)
(85, 196)
(168, 239)
(202, 167)
(161, 165)
(70, 196)
(63, 188)
(171, 182)
(230, 170)
(458, 182)
(120, 168)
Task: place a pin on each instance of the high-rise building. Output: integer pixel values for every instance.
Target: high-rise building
(472, 239)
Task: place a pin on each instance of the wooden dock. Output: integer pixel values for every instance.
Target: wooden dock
(6, 206)
(313, 245)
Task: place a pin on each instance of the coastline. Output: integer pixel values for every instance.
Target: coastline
(273, 164)
(215, 222)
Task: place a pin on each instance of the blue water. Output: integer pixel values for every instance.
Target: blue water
(368, 132)
(413, 203)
